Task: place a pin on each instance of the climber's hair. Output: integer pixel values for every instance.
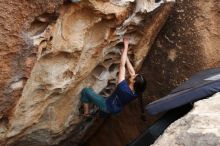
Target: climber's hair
(140, 85)
(157, 1)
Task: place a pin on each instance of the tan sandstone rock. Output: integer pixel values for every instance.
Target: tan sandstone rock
(51, 50)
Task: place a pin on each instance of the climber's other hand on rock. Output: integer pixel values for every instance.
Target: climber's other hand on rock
(126, 41)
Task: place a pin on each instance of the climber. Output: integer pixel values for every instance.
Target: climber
(124, 93)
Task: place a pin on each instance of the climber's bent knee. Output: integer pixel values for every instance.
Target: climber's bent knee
(84, 95)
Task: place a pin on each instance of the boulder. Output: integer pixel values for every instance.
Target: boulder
(188, 43)
(51, 49)
(200, 127)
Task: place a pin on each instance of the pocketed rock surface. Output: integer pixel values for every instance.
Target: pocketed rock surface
(51, 49)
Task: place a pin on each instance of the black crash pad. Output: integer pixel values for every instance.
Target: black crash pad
(199, 86)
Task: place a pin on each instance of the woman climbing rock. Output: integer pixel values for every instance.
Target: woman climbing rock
(125, 92)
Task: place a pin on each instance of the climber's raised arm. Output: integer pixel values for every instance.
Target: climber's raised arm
(121, 75)
(130, 68)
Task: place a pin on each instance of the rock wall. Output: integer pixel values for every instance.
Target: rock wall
(50, 50)
(188, 43)
(200, 127)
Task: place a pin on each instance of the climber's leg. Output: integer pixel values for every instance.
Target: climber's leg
(86, 108)
(85, 100)
(89, 96)
(84, 96)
